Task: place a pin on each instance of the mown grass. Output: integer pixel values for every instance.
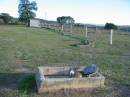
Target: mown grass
(26, 48)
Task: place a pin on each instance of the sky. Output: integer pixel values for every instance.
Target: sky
(83, 11)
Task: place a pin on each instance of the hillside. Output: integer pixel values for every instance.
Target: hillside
(22, 49)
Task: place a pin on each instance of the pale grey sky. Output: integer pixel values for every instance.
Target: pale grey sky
(84, 11)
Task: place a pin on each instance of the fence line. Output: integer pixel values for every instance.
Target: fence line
(79, 31)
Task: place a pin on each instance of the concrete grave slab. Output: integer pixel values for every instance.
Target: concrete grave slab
(54, 78)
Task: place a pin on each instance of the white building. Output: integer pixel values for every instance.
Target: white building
(36, 22)
(41, 22)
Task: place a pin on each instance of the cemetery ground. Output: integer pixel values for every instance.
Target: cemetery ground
(22, 49)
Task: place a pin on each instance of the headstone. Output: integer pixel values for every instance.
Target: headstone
(85, 42)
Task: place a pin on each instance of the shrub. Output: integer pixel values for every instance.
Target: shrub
(110, 26)
(6, 17)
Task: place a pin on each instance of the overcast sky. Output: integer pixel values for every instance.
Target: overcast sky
(83, 11)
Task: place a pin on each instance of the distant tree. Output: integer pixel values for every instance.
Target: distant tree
(5, 17)
(65, 20)
(110, 26)
(26, 10)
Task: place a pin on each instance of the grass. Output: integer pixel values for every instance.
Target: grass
(27, 85)
(26, 48)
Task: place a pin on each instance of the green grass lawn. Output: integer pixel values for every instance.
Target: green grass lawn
(26, 48)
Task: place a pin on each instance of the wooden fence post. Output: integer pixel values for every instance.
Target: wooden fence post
(71, 28)
(86, 32)
(111, 36)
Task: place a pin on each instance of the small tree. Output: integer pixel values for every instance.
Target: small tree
(65, 20)
(110, 26)
(26, 10)
(5, 17)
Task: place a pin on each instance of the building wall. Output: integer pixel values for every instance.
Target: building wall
(1, 21)
(35, 23)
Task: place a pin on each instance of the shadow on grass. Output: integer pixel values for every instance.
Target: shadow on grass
(24, 82)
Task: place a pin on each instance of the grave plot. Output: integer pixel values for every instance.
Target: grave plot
(54, 78)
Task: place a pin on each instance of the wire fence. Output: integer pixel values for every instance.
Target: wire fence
(80, 31)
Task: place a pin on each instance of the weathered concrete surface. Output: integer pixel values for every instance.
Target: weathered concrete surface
(54, 78)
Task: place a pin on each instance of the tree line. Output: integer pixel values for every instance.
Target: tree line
(26, 10)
